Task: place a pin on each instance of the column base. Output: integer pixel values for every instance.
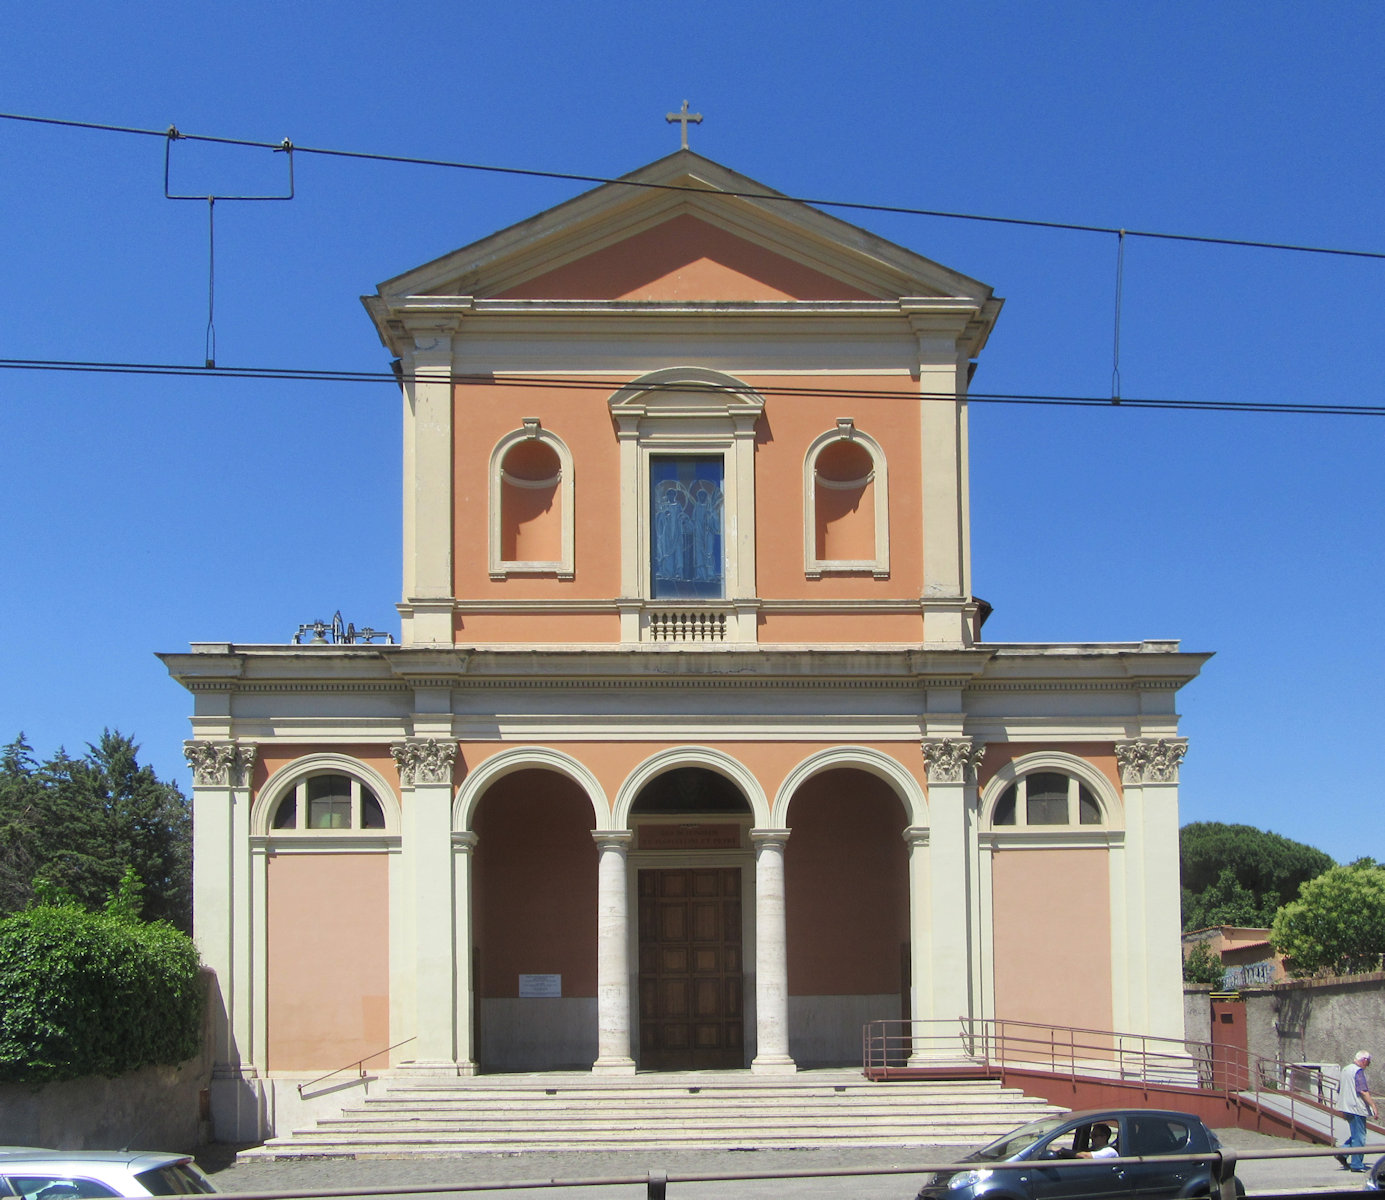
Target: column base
(613, 1066)
(773, 1064)
(239, 1110)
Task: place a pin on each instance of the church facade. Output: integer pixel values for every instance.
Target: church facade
(691, 754)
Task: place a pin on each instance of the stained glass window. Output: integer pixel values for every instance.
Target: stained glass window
(685, 519)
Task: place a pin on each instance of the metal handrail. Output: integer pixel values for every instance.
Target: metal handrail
(1073, 1052)
(359, 1064)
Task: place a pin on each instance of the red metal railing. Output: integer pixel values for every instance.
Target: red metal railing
(1099, 1064)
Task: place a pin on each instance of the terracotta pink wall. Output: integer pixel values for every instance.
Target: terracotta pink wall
(685, 258)
(274, 755)
(613, 762)
(1101, 755)
(1052, 918)
(328, 951)
(534, 885)
(847, 887)
(485, 411)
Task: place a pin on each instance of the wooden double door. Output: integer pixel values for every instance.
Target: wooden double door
(691, 969)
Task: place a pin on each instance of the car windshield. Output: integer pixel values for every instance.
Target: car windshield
(1018, 1140)
(175, 1179)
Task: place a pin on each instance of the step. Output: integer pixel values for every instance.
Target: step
(572, 1113)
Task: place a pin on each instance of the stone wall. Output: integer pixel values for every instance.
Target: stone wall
(155, 1108)
(1309, 1020)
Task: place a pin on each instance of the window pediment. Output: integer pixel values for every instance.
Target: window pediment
(686, 394)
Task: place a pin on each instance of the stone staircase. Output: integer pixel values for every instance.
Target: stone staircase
(682, 1111)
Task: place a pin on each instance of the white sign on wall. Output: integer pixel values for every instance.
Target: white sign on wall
(549, 987)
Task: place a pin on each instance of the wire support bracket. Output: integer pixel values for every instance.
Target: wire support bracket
(172, 135)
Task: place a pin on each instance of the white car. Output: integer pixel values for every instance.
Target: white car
(35, 1174)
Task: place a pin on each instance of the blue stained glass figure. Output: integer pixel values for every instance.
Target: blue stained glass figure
(685, 519)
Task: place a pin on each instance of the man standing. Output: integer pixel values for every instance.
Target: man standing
(1355, 1104)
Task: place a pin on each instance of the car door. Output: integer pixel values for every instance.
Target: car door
(1056, 1173)
(1153, 1135)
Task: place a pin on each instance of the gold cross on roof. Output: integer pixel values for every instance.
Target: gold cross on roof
(683, 117)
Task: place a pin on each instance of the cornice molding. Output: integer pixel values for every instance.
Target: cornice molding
(1060, 839)
(1075, 685)
(309, 841)
(307, 685)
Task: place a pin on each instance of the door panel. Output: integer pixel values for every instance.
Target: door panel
(690, 969)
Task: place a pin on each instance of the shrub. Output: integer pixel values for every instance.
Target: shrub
(1200, 965)
(94, 993)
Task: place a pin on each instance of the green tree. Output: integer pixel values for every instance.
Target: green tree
(21, 815)
(1239, 875)
(77, 825)
(1337, 924)
(1200, 965)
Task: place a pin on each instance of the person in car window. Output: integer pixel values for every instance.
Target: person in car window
(1101, 1144)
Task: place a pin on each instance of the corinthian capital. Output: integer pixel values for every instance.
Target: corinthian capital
(950, 760)
(424, 761)
(220, 764)
(1149, 761)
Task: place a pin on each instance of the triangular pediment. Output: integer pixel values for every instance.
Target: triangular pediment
(684, 228)
(685, 258)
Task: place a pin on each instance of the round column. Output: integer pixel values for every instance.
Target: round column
(463, 843)
(920, 941)
(771, 956)
(612, 956)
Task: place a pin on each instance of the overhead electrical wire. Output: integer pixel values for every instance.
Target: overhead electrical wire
(285, 145)
(818, 202)
(608, 385)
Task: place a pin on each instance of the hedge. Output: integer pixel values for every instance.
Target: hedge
(94, 993)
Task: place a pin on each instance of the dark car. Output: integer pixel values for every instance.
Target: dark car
(1070, 1157)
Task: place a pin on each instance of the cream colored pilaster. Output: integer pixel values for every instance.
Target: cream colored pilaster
(952, 766)
(946, 503)
(920, 941)
(1149, 780)
(612, 955)
(426, 610)
(425, 773)
(771, 956)
(224, 914)
(462, 846)
(632, 548)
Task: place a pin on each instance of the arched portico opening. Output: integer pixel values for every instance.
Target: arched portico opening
(692, 868)
(534, 924)
(847, 900)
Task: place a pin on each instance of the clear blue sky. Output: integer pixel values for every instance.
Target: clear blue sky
(144, 513)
